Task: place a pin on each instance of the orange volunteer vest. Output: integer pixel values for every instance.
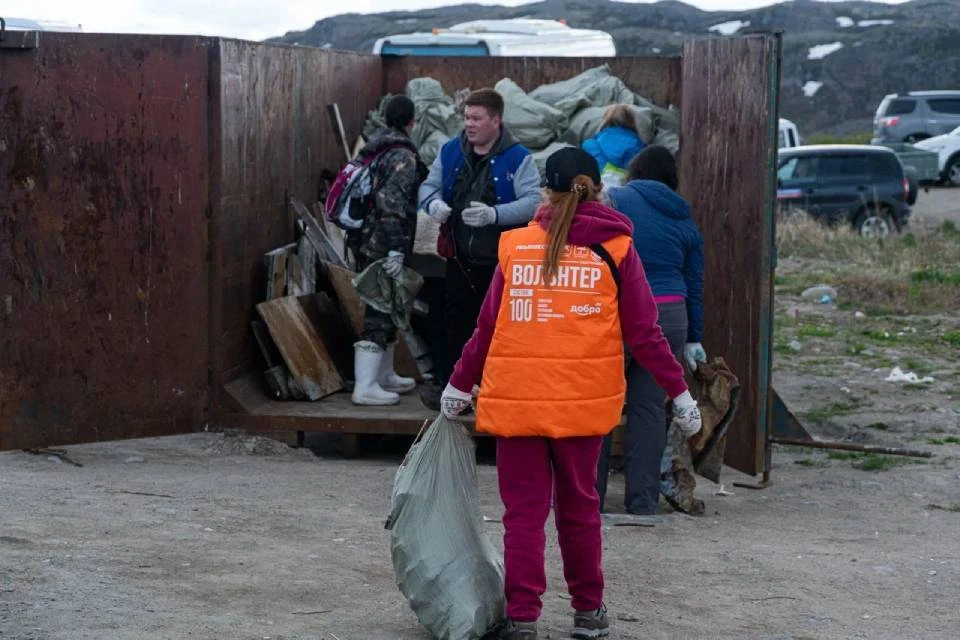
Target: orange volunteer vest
(555, 364)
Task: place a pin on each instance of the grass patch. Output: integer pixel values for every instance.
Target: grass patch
(953, 508)
(876, 462)
(811, 463)
(856, 349)
(952, 338)
(879, 426)
(934, 274)
(880, 336)
(901, 274)
(845, 455)
(783, 347)
(816, 331)
(834, 410)
(949, 229)
(942, 441)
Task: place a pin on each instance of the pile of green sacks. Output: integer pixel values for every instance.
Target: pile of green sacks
(550, 117)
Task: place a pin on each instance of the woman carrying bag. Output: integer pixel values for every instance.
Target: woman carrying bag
(568, 291)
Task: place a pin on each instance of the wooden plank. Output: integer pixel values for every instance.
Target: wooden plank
(342, 282)
(302, 349)
(307, 257)
(729, 115)
(336, 235)
(334, 329)
(316, 235)
(276, 263)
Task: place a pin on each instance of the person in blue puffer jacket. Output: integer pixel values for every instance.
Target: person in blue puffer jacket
(671, 251)
(616, 143)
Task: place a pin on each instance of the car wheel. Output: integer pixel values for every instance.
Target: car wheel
(874, 222)
(952, 173)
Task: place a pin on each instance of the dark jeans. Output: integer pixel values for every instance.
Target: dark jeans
(466, 287)
(646, 433)
(434, 294)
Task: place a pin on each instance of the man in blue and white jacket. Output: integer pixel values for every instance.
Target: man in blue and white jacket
(482, 183)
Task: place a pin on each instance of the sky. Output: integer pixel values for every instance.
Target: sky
(247, 19)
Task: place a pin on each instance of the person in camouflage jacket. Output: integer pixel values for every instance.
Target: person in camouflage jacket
(388, 232)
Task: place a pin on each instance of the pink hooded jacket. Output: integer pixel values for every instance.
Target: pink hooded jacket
(593, 223)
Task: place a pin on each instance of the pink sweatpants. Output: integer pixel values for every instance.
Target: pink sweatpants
(529, 471)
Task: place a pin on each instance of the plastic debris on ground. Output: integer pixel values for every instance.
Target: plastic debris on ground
(898, 375)
(444, 563)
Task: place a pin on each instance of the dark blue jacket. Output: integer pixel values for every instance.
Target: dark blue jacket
(669, 244)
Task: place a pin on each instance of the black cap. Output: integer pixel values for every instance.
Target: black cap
(399, 111)
(568, 163)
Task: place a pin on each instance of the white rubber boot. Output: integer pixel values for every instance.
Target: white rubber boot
(366, 364)
(388, 378)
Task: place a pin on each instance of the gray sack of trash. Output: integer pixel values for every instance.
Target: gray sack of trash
(444, 563)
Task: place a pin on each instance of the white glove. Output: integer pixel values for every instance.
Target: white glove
(439, 210)
(393, 265)
(694, 353)
(453, 402)
(479, 215)
(686, 414)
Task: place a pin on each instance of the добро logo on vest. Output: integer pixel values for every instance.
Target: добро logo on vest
(585, 309)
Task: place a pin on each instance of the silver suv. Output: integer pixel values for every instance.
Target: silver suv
(913, 116)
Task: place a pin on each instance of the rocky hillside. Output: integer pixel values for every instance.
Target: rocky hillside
(840, 58)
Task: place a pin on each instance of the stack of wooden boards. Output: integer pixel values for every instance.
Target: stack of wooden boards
(311, 314)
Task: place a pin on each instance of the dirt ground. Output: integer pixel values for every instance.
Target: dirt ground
(216, 536)
(202, 536)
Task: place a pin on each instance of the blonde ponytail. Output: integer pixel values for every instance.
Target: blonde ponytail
(563, 206)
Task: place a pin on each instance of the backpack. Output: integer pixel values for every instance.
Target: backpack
(349, 200)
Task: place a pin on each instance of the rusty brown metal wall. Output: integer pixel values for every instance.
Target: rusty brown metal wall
(103, 238)
(273, 138)
(729, 89)
(656, 78)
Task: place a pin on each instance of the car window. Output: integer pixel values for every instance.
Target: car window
(798, 168)
(900, 106)
(945, 105)
(835, 166)
(883, 166)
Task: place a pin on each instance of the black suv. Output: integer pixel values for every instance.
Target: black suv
(862, 185)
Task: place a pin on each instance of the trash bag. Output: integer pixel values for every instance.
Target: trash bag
(378, 290)
(533, 123)
(437, 118)
(595, 87)
(444, 563)
(668, 139)
(718, 395)
(586, 123)
(540, 157)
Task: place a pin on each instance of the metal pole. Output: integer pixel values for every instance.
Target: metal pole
(844, 446)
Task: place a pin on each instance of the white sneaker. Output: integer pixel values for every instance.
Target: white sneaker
(366, 364)
(388, 378)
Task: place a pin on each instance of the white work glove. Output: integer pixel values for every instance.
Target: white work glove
(439, 210)
(453, 402)
(686, 414)
(393, 265)
(479, 215)
(694, 353)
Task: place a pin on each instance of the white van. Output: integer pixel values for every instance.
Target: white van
(29, 24)
(789, 135)
(522, 37)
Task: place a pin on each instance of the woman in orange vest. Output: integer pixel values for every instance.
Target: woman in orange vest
(568, 292)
